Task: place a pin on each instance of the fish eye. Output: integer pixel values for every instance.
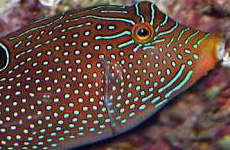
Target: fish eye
(4, 57)
(142, 32)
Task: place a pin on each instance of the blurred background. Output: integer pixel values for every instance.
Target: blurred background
(198, 119)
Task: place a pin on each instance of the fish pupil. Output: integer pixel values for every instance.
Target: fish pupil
(3, 57)
(143, 32)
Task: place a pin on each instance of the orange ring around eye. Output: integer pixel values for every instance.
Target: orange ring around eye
(142, 32)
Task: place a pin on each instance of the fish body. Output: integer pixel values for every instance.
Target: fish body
(90, 74)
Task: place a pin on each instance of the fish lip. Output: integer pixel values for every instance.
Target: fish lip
(223, 54)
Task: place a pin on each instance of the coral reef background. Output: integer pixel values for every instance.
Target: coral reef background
(198, 119)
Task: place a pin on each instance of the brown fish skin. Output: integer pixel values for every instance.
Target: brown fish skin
(90, 74)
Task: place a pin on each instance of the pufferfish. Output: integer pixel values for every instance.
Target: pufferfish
(93, 73)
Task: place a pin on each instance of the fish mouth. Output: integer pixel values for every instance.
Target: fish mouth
(4, 57)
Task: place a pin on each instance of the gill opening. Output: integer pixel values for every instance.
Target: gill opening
(4, 57)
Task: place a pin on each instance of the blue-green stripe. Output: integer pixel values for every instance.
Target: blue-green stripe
(108, 37)
(174, 79)
(182, 32)
(137, 48)
(105, 18)
(168, 31)
(191, 36)
(165, 21)
(126, 44)
(161, 103)
(156, 99)
(147, 97)
(36, 28)
(138, 12)
(152, 14)
(179, 86)
(114, 11)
